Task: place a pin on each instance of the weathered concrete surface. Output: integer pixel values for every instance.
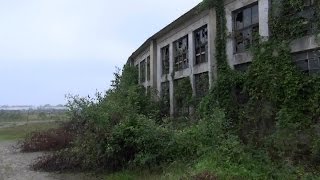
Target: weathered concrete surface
(15, 166)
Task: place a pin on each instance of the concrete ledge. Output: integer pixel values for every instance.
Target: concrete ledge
(183, 73)
(304, 43)
(241, 58)
(200, 68)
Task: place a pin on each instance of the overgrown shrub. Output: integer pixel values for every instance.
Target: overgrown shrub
(261, 124)
(48, 140)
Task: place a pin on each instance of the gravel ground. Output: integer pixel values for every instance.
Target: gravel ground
(15, 166)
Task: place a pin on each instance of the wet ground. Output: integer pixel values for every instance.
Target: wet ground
(16, 166)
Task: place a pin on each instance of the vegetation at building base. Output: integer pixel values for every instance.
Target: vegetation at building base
(261, 124)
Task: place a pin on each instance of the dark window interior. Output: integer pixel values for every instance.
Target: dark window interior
(165, 97)
(242, 67)
(308, 61)
(180, 108)
(148, 68)
(181, 54)
(165, 59)
(201, 45)
(143, 71)
(246, 28)
(201, 84)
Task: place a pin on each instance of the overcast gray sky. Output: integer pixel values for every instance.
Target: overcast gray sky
(49, 48)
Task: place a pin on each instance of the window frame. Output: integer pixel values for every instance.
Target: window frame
(201, 87)
(142, 72)
(251, 27)
(148, 69)
(183, 63)
(310, 55)
(203, 55)
(165, 96)
(165, 60)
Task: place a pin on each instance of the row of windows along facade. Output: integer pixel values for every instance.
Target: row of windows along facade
(185, 49)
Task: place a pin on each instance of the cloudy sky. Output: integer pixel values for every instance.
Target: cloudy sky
(49, 48)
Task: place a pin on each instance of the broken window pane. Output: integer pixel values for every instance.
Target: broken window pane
(201, 44)
(247, 17)
(255, 15)
(239, 42)
(246, 28)
(247, 38)
(300, 56)
(165, 98)
(181, 54)
(143, 71)
(303, 65)
(314, 64)
(239, 20)
(201, 84)
(148, 68)
(308, 62)
(181, 104)
(165, 59)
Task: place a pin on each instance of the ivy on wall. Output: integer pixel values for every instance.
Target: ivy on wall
(182, 96)
(272, 105)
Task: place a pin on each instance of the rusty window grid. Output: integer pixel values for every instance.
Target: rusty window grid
(143, 71)
(201, 45)
(165, 59)
(246, 28)
(308, 62)
(201, 84)
(148, 68)
(181, 60)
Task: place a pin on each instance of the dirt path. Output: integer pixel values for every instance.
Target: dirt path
(15, 166)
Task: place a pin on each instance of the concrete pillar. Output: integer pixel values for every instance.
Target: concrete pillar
(159, 70)
(191, 60)
(171, 78)
(212, 62)
(153, 64)
(264, 19)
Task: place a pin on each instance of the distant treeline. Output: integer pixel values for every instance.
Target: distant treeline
(32, 115)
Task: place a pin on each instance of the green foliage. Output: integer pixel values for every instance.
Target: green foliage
(272, 106)
(261, 124)
(182, 96)
(286, 24)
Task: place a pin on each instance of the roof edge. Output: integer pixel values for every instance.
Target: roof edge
(195, 10)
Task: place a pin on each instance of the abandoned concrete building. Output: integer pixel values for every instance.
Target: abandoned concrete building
(186, 47)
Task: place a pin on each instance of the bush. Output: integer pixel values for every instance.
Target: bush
(49, 140)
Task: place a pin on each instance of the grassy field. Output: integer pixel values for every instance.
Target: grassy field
(20, 131)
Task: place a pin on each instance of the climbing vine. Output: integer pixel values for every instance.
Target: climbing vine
(182, 96)
(272, 105)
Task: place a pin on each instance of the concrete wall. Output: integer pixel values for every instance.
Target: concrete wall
(187, 29)
(143, 56)
(208, 17)
(304, 44)
(230, 7)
